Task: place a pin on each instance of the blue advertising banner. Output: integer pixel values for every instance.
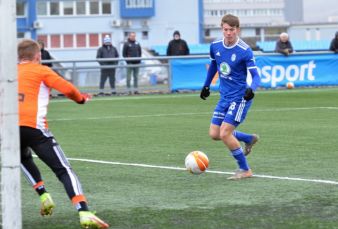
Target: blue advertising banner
(188, 74)
(275, 71)
(302, 70)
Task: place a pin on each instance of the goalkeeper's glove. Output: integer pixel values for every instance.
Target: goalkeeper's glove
(205, 92)
(85, 98)
(249, 94)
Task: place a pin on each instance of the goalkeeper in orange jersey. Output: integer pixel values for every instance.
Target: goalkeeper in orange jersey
(34, 84)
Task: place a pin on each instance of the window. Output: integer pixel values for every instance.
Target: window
(222, 12)
(213, 12)
(276, 12)
(93, 40)
(80, 7)
(139, 3)
(260, 12)
(273, 31)
(94, 7)
(308, 34)
(145, 35)
(317, 34)
(80, 40)
(106, 7)
(68, 8)
(207, 33)
(20, 35)
(83, 40)
(20, 9)
(258, 31)
(55, 41)
(68, 40)
(43, 38)
(54, 8)
(41, 8)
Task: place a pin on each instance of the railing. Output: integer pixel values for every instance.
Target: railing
(155, 72)
(85, 74)
(154, 76)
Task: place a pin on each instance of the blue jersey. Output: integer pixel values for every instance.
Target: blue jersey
(232, 66)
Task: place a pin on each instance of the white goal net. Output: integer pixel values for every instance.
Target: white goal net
(10, 197)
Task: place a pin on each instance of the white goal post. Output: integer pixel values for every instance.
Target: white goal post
(9, 133)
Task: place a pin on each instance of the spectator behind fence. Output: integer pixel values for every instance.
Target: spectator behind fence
(132, 48)
(334, 43)
(177, 46)
(283, 45)
(107, 50)
(44, 53)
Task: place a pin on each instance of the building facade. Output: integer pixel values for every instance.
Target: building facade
(68, 25)
(260, 19)
(264, 20)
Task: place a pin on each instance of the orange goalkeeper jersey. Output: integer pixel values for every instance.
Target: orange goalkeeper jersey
(34, 84)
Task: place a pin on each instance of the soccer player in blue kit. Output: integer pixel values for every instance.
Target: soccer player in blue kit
(232, 58)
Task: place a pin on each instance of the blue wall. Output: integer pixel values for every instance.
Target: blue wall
(25, 24)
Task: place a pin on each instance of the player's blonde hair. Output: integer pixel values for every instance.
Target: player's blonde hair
(231, 20)
(27, 49)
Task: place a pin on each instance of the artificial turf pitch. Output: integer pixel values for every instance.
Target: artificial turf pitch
(127, 135)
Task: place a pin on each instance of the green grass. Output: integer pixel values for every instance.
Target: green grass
(298, 130)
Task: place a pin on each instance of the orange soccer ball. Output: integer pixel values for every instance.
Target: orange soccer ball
(196, 162)
(290, 85)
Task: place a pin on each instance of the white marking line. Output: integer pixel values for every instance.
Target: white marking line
(214, 93)
(185, 114)
(208, 171)
(296, 109)
(128, 116)
(122, 98)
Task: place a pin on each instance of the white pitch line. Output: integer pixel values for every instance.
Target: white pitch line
(166, 96)
(208, 171)
(294, 109)
(185, 114)
(122, 98)
(128, 116)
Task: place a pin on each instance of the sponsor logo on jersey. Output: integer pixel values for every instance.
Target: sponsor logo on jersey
(224, 69)
(218, 53)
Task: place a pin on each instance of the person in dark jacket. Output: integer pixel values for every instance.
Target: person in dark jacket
(177, 46)
(334, 43)
(45, 54)
(107, 50)
(132, 48)
(283, 45)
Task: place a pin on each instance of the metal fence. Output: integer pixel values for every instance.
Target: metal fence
(85, 74)
(154, 74)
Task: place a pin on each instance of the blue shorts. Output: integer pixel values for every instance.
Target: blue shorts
(232, 112)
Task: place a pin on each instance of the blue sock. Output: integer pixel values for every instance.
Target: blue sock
(243, 137)
(241, 159)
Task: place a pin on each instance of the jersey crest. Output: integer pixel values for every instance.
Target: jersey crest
(233, 57)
